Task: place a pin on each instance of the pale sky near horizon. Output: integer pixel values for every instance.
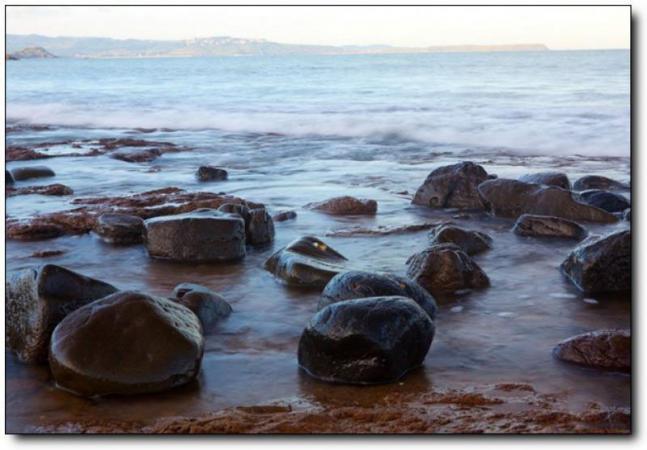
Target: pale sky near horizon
(557, 27)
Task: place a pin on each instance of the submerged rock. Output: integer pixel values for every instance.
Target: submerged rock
(259, 226)
(607, 201)
(50, 189)
(282, 216)
(120, 229)
(471, 242)
(366, 341)
(137, 155)
(452, 186)
(345, 205)
(445, 268)
(307, 262)
(598, 182)
(512, 198)
(558, 179)
(205, 303)
(211, 173)
(203, 235)
(548, 226)
(127, 343)
(356, 284)
(601, 264)
(601, 349)
(36, 300)
(26, 173)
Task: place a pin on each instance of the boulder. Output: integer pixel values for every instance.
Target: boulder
(203, 235)
(601, 349)
(126, 343)
(512, 198)
(601, 264)
(548, 226)
(211, 173)
(558, 179)
(471, 242)
(282, 216)
(345, 205)
(598, 182)
(452, 187)
(259, 226)
(366, 341)
(8, 178)
(356, 284)
(205, 303)
(26, 173)
(36, 300)
(306, 262)
(120, 229)
(445, 268)
(607, 201)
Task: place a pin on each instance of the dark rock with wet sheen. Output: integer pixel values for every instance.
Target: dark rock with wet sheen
(208, 305)
(471, 242)
(548, 226)
(452, 186)
(121, 229)
(601, 349)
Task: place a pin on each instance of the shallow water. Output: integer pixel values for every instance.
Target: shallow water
(501, 334)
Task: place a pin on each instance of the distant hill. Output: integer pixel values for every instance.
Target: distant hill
(82, 47)
(30, 53)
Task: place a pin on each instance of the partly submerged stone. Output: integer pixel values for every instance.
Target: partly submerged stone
(558, 179)
(598, 182)
(120, 229)
(307, 262)
(205, 303)
(601, 264)
(345, 205)
(136, 155)
(282, 216)
(608, 201)
(55, 189)
(452, 186)
(26, 173)
(512, 198)
(471, 242)
(211, 173)
(601, 349)
(259, 226)
(357, 284)
(548, 226)
(36, 300)
(366, 341)
(204, 235)
(127, 343)
(445, 268)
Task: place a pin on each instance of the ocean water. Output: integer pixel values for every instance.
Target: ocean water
(549, 103)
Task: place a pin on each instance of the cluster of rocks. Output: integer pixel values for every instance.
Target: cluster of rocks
(82, 327)
(30, 173)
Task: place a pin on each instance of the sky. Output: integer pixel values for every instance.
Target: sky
(557, 27)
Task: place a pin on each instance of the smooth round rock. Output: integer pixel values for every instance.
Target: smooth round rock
(203, 235)
(607, 201)
(209, 306)
(548, 226)
(471, 242)
(211, 173)
(601, 349)
(558, 179)
(598, 182)
(356, 284)
(120, 229)
(36, 300)
(346, 205)
(366, 341)
(26, 173)
(445, 268)
(452, 186)
(126, 343)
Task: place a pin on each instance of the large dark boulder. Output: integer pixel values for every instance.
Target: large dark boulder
(26, 173)
(127, 343)
(452, 187)
(356, 284)
(601, 349)
(203, 235)
(211, 173)
(366, 341)
(209, 306)
(607, 201)
(598, 182)
(121, 229)
(601, 264)
(445, 268)
(558, 179)
(548, 226)
(345, 205)
(307, 262)
(259, 226)
(36, 300)
(512, 198)
(471, 242)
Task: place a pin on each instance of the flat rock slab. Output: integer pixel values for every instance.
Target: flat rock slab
(306, 262)
(548, 226)
(452, 186)
(601, 264)
(601, 349)
(26, 173)
(366, 341)
(121, 229)
(36, 300)
(471, 242)
(51, 189)
(126, 343)
(346, 205)
(204, 235)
